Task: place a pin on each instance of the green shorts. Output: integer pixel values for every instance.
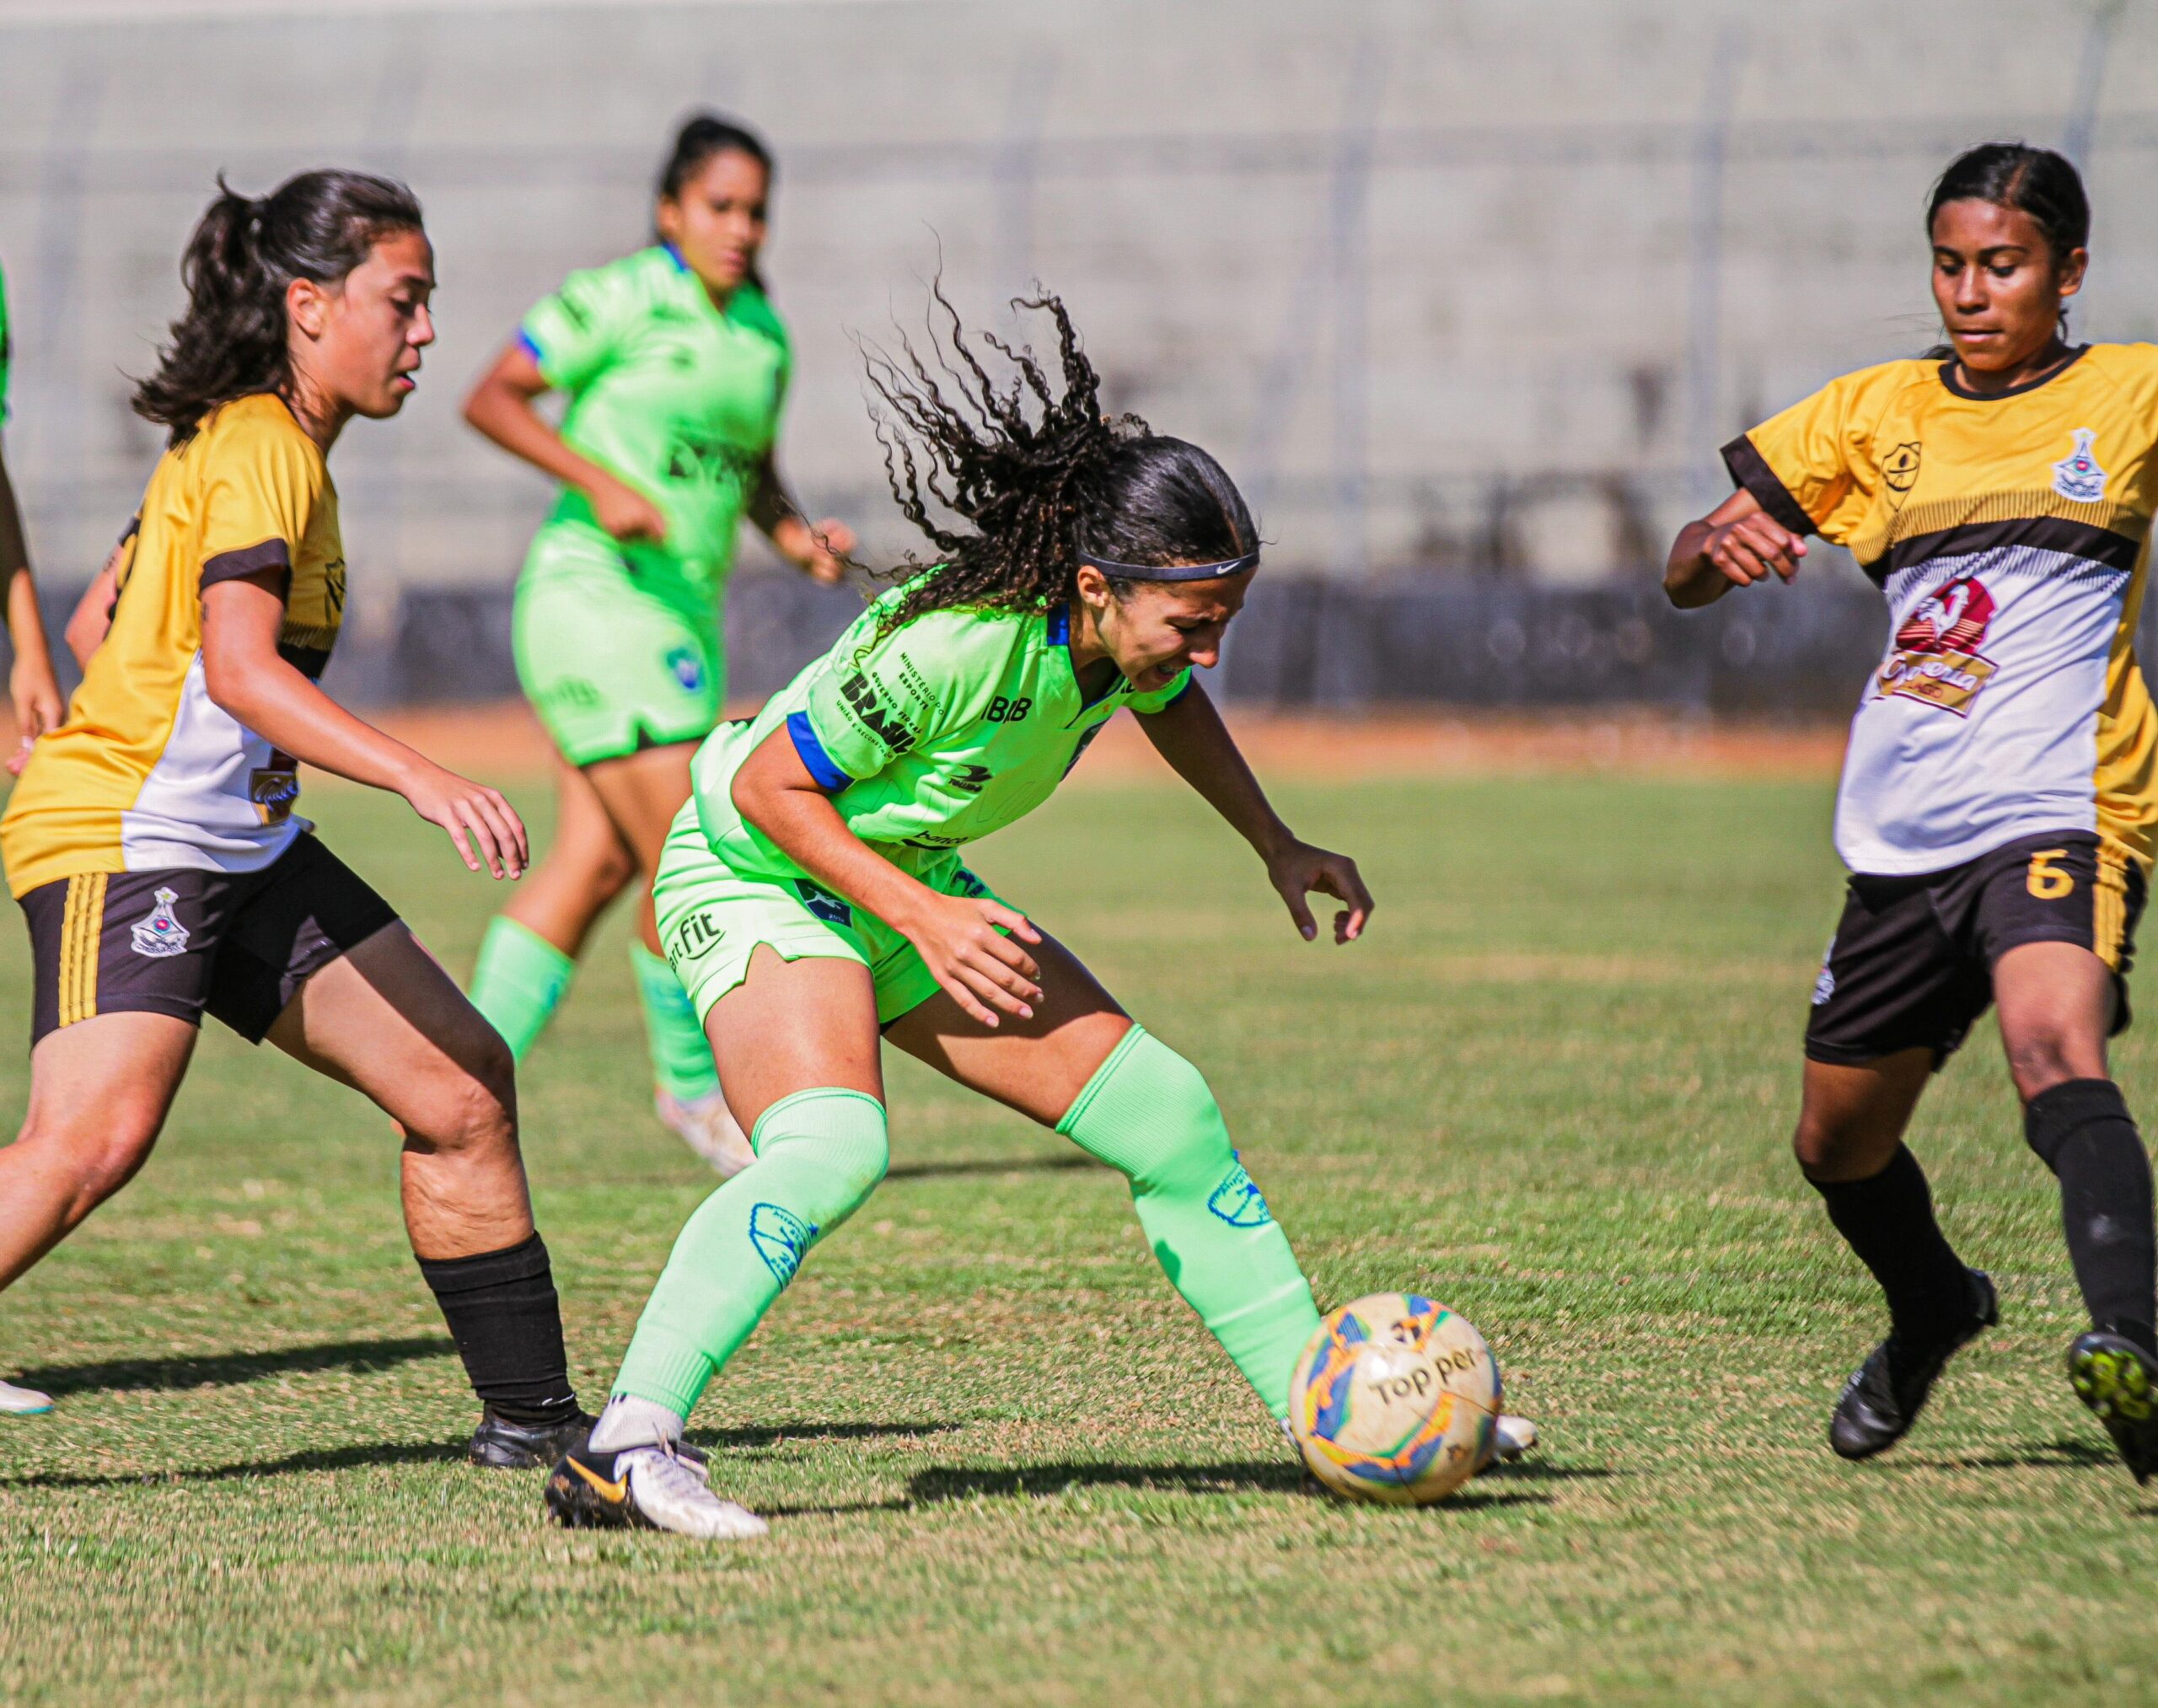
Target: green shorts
(712, 918)
(615, 658)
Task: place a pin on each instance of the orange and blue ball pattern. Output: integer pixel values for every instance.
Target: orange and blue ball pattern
(1395, 1399)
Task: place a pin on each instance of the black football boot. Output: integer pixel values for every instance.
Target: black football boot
(1885, 1394)
(504, 1446)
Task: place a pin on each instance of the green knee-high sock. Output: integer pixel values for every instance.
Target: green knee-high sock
(681, 1056)
(519, 981)
(819, 1154)
(1147, 1112)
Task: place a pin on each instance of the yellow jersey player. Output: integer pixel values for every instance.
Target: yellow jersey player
(152, 840)
(1998, 797)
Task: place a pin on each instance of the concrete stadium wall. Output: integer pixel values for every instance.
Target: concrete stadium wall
(1449, 286)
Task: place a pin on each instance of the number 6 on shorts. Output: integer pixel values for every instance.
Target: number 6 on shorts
(2046, 882)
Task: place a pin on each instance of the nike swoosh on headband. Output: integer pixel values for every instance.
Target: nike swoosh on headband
(1179, 571)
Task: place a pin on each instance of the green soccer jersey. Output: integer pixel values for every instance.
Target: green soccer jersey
(952, 726)
(679, 398)
(6, 350)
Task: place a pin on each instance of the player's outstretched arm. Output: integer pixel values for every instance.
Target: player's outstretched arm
(958, 937)
(1735, 545)
(246, 678)
(501, 407)
(32, 687)
(1190, 735)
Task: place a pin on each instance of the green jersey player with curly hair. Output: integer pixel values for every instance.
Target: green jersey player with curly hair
(813, 898)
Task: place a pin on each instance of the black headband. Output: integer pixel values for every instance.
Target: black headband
(1183, 572)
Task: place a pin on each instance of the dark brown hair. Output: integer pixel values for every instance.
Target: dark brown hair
(230, 341)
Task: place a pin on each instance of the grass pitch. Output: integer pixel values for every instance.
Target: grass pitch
(1003, 1462)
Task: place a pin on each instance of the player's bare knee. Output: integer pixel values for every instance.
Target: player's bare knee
(612, 874)
(97, 1161)
(1823, 1147)
(474, 1113)
(493, 1068)
(2041, 1059)
(490, 1103)
(2038, 1070)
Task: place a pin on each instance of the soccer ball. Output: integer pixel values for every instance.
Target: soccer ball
(1394, 1399)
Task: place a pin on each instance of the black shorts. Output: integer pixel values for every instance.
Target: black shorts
(1911, 964)
(181, 941)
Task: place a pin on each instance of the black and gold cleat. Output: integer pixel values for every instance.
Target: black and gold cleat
(2118, 1381)
(1884, 1395)
(503, 1446)
(651, 1486)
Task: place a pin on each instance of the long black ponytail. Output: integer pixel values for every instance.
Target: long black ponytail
(1041, 478)
(231, 340)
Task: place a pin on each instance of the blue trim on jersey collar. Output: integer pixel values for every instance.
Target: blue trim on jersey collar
(827, 776)
(1059, 619)
(675, 256)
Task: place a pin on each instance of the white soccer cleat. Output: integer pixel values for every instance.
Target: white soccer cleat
(1513, 1438)
(709, 1128)
(656, 1486)
(23, 1402)
(671, 1494)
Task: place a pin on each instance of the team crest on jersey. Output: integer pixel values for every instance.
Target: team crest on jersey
(2077, 476)
(157, 934)
(1900, 469)
(1936, 657)
(274, 787)
(823, 904)
(688, 668)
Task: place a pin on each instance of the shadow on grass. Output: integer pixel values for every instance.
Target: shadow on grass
(345, 1458)
(2063, 1452)
(989, 1165)
(771, 1435)
(340, 1458)
(1543, 1471)
(228, 1369)
(1271, 1476)
(841, 1509)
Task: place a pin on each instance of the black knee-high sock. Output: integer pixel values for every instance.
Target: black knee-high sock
(1888, 1222)
(2085, 1134)
(507, 1323)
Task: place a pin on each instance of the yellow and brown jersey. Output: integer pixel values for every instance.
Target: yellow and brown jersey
(2009, 533)
(148, 772)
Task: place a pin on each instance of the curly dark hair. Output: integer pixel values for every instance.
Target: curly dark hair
(1039, 478)
(230, 341)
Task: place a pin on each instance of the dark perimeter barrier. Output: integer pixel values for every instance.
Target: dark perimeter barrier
(1466, 641)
